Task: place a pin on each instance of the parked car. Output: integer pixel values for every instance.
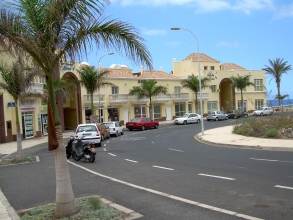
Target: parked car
(105, 132)
(264, 111)
(141, 124)
(89, 133)
(237, 114)
(188, 118)
(114, 127)
(216, 116)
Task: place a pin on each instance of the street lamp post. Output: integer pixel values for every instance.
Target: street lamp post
(199, 74)
(99, 71)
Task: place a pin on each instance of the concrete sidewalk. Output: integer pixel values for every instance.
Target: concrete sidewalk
(224, 136)
(10, 147)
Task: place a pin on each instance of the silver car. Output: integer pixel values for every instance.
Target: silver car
(216, 116)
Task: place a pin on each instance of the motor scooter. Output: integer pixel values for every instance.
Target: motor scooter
(78, 150)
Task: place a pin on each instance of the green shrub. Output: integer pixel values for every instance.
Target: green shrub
(272, 133)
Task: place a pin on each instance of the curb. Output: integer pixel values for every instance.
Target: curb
(251, 147)
(10, 210)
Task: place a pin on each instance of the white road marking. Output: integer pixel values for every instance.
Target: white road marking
(105, 145)
(108, 142)
(133, 161)
(173, 149)
(270, 160)
(283, 187)
(165, 168)
(219, 177)
(105, 149)
(37, 158)
(113, 155)
(166, 195)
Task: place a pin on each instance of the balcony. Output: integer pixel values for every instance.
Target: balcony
(87, 99)
(180, 96)
(205, 95)
(36, 88)
(118, 98)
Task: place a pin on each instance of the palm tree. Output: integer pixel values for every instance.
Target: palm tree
(241, 82)
(17, 80)
(192, 83)
(52, 32)
(277, 68)
(149, 89)
(93, 81)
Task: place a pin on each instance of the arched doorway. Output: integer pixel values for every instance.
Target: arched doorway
(227, 95)
(72, 114)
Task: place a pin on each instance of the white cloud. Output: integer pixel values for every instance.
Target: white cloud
(154, 32)
(284, 11)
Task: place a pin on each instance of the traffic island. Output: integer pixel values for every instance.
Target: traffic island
(12, 160)
(91, 207)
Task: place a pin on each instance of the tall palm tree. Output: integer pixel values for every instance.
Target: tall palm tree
(17, 80)
(241, 82)
(149, 89)
(277, 68)
(93, 81)
(192, 83)
(52, 31)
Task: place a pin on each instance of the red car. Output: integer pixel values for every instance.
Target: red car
(141, 124)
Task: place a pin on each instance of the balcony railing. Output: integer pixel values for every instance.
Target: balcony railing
(87, 98)
(36, 88)
(180, 96)
(119, 98)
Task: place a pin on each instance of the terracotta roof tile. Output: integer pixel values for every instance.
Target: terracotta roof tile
(156, 75)
(201, 57)
(231, 66)
(120, 73)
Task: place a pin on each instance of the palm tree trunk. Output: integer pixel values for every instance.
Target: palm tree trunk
(242, 101)
(195, 104)
(18, 133)
(150, 109)
(99, 105)
(92, 104)
(65, 202)
(279, 93)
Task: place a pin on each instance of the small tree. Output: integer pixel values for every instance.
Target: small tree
(149, 89)
(192, 83)
(17, 80)
(277, 68)
(93, 81)
(241, 82)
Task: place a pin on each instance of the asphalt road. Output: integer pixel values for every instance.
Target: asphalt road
(165, 174)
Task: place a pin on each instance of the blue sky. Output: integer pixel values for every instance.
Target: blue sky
(246, 32)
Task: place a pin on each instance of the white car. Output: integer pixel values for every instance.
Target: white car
(264, 111)
(188, 118)
(114, 127)
(216, 116)
(89, 133)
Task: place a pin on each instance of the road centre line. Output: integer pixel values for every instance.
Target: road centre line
(270, 160)
(166, 195)
(133, 161)
(113, 155)
(219, 177)
(164, 168)
(284, 187)
(173, 149)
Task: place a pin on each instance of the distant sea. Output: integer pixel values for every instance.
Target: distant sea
(274, 102)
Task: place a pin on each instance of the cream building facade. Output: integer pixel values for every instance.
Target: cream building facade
(114, 104)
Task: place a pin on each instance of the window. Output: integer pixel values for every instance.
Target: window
(213, 88)
(212, 106)
(205, 67)
(258, 103)
(139, 111)
(190, 107)
(115, 90)
(179, 109)
(239, 104)
(157, 111)
(212, 68)
(177, 89)
(258, 84)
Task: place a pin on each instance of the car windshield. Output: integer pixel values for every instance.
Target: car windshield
(136, 120)
(109, 125)
(185, 115)
(86, 128)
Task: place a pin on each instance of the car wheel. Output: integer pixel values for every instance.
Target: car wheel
(142, 128)
(216, 119)
(185, 122)
(99, 144)
(156, 127)
(122, 132)
(117, 134)
(130, 129)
